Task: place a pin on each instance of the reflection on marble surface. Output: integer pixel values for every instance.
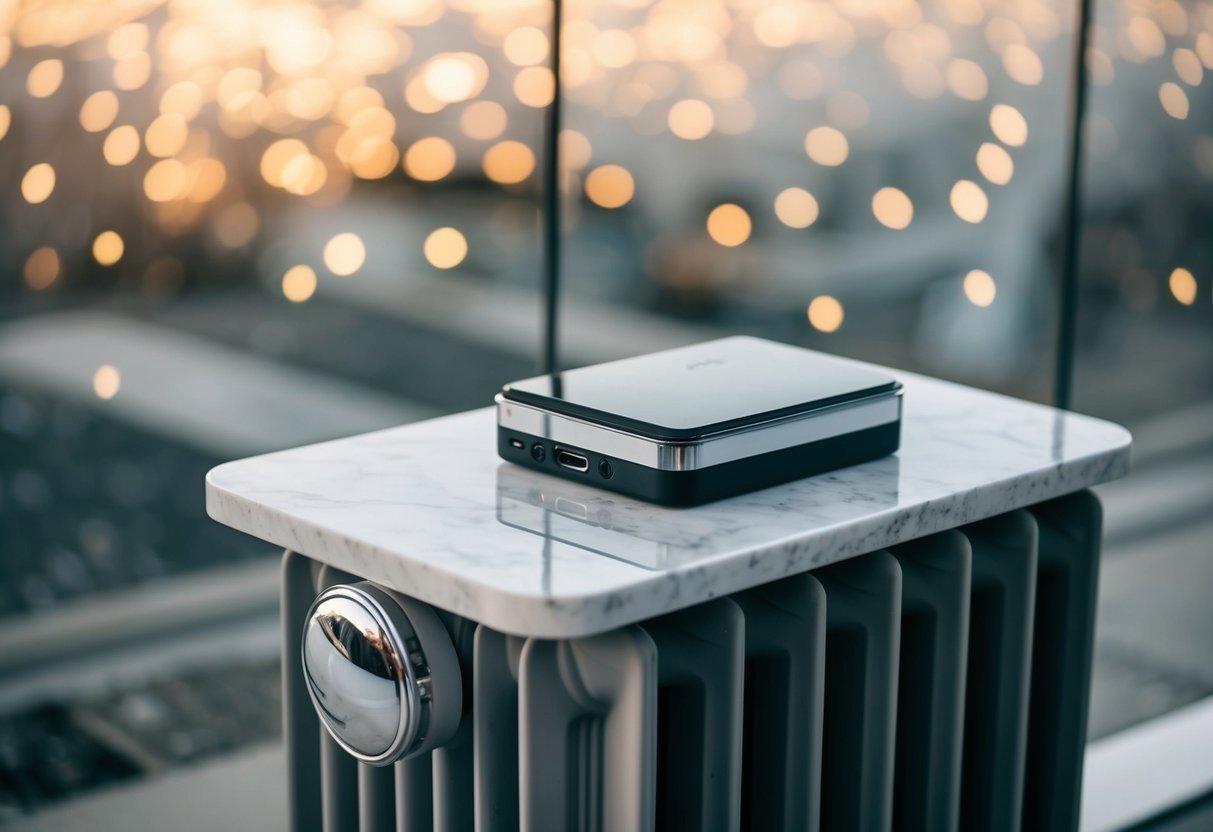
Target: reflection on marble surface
(418, 508)
(649, 536)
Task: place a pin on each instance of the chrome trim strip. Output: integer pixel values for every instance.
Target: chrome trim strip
(716, 449)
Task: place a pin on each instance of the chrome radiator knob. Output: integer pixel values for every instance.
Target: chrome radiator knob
(382, 673)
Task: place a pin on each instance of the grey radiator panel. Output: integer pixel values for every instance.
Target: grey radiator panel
(376, 799)
(452, 779)
(301, 726)
(700, 672)
(1066, 595)
(785, 630)
(414, 782)
(338, 785)
(863, 614)
(1000, 661)
(936, 576)
(495, 705)
(587, 732)
(941, 685)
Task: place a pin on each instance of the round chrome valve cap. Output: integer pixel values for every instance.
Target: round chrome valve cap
(382, 673)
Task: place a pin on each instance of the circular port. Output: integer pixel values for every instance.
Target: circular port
(605, 470)
(538, 452)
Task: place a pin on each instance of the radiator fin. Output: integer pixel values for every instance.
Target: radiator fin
(452, 775)
(588, 705)
(339, 786)
(1066, 598)
(301, 727)
(936, 574)
(1000, 660)
(863, 615)
(495, 726)
(376, 799)
(785, 633)
(414, 795)
(700, 671)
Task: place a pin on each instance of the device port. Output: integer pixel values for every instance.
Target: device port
(569, 508)
(517, 443)
(569, 459)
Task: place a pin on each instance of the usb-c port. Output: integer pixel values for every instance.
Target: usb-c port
(568, 459)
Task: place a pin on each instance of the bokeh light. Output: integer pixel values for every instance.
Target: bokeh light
(429, 159)
(108, 248)
(1009, 125)
(729, 225)
(445, 248)
(99, 111)
(166, 135)
(690, 119)
(45, 78)
(826, 313)
(344, 254)
(121, 145)
(166, 180)
(483, 120)
(610, 186)
(107, 381)
(42, 268)
(966, 79)
(796, 208)
(525, 46)
(892, 208)
(38, 183)
(995, 163)
(237, 225)
(508, 162)
(534, 86)
(575, 149)
(969, 201)
(826, 146)
(979, 288)
(299, 283)
(1174, 100)
(1022, 64)
(1183, 286)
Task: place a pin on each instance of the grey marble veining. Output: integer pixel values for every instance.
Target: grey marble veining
(430, 510)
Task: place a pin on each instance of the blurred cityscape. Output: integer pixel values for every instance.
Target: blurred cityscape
(240, 225)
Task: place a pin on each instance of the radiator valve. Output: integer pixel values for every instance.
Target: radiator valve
(382, 673)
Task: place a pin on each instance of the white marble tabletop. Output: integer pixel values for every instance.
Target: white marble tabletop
(430, 510)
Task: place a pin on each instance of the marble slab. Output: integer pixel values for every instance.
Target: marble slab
(430, 510)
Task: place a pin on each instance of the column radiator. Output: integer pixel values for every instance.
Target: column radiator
(937, 685)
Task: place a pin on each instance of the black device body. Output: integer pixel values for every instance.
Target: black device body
(700, 423)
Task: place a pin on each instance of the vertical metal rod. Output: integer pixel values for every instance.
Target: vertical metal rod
(551, 203)
(339, 786)
(454, 801)
(414, 794)
(1071, 254)
(376, 799)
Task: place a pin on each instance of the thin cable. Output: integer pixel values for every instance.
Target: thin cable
(550, 204)
(1071, 254)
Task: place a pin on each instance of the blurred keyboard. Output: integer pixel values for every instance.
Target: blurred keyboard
(52, 752)
(90, 505)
